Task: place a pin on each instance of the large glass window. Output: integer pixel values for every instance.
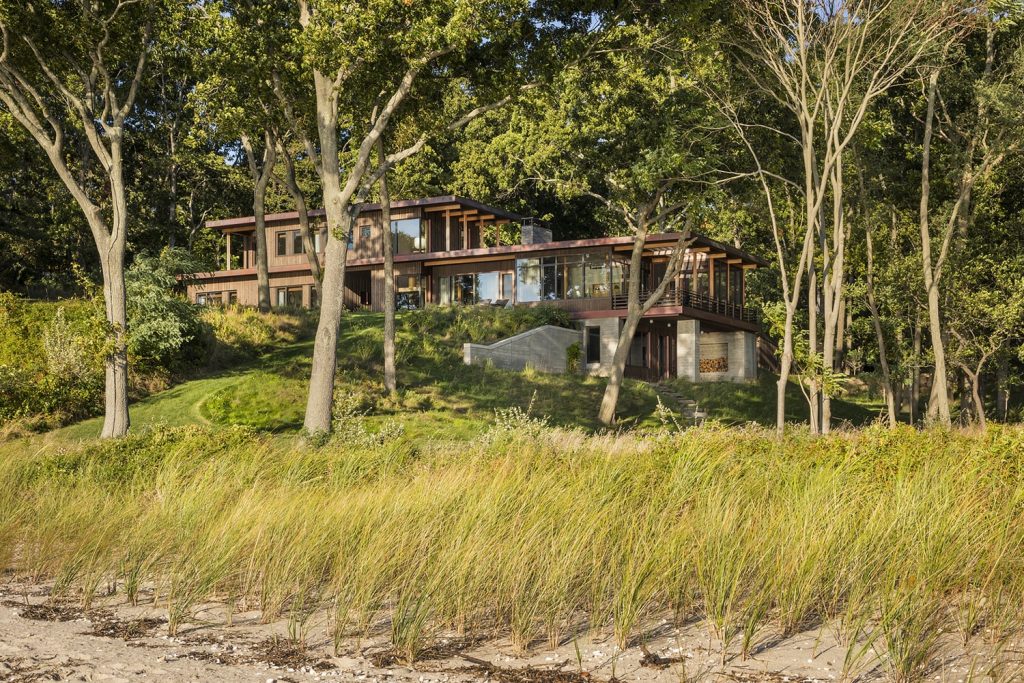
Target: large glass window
(721, 279)
(528, 279)
(282, 244)
(701, 274)
(487, 287)
(575, 276)
(736, 285)
(408, 236)
(297, 245)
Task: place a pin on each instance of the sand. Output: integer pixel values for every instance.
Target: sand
(42, 640)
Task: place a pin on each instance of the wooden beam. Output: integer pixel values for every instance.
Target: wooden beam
(443, 207)
(734, 261)
(749, 266)
(716, 256)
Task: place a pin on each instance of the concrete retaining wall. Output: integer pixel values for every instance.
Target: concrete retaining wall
(543, 348)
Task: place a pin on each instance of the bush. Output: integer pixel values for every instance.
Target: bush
(164, 328)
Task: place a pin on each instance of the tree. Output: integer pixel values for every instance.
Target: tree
(71, 72)
(988, 128)
(340, 48)
(621, 125)
(825, 63)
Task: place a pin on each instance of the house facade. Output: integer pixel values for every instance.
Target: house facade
(455, 251)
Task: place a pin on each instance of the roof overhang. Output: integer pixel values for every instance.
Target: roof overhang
(450, 202)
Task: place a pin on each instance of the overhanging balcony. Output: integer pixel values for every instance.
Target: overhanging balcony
(683, 298)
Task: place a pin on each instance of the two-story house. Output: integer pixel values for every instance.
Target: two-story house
(451, 251)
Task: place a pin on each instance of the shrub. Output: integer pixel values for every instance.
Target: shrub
(572, 358)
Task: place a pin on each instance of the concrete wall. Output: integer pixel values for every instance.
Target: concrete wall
(739, 349)
(609, 341)
(688, 349)
(543, 348)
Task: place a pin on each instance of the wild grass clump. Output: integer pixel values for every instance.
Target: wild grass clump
(900, 541)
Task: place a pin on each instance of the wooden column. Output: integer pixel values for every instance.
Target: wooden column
(227, 262)
(447, 230)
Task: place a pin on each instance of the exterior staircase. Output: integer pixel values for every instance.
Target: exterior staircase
(688, 410)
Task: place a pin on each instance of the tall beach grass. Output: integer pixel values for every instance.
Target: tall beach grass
(891, 539)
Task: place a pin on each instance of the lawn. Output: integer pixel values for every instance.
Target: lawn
(439, 396)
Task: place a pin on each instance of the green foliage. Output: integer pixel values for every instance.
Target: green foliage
(572, 358)
(161, 321)
(51, 358)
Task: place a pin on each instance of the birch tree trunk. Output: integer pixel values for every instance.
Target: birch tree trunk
(390, 373)
(938, 406)
(883, 356)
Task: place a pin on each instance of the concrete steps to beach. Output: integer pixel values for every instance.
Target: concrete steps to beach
(687, 408)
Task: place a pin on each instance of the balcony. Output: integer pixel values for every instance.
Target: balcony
(675, 297)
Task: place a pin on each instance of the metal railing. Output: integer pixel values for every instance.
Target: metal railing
(684, 297)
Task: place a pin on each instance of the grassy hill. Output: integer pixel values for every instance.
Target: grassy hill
(439, 396)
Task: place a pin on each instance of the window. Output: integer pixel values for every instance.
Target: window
(201, 299)
(282, 244)
(736, 285)
(593, 345)
(232, 297)
(314, 300)
(408, 292)
(351, 237)
(319, 240)
(506, 285)
(487, 287)
(364, 232)
(721, 279)
(701, 269)
(576, 276)
(473, 288)
(298, 247)
(289, 296)
(408, 236)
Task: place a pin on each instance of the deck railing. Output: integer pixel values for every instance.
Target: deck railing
(689, 299)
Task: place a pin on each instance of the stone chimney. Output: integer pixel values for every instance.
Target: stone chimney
(535, 233)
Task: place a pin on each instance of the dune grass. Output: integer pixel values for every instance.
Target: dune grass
(888, 538)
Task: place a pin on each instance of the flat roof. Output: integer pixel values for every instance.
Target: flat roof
(245, 221)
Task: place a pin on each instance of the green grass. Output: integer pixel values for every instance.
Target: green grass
(736, 404)
(898, 541)
(439, 397)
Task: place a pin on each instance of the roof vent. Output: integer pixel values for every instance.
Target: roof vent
(535, 233)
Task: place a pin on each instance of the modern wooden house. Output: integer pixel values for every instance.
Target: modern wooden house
(455, 251)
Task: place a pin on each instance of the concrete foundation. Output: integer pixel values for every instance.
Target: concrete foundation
(542, 348)
(609, 342)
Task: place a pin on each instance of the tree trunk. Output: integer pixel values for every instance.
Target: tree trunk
(979, 407)
(938, 406)
(813, 390)
(261, 179)
(390, 374)
(785, 364)
(636, 309)
(115, 415)
(610, 400)
(1002, 389)
(883, 356)
(340, 218)
(915, 376)
(303, 210)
